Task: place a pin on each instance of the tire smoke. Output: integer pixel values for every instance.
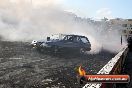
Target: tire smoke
(23, 21)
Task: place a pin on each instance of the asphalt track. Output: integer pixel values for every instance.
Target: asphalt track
(21, 66)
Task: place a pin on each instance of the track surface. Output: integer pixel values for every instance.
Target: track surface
(23, 67)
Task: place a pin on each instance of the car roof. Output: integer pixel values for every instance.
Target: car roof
(75, 35)
(69, 35)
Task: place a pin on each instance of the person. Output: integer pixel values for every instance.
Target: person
(129, 41)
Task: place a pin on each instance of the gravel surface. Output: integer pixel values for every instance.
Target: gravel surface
(23, 67)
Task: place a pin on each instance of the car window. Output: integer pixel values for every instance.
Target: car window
(68, 38)
(78, 39)
(65, 38)
(84, 40)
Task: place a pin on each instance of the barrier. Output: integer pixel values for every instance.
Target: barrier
(114, 66)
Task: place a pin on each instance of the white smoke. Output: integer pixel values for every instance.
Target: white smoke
(25, 21)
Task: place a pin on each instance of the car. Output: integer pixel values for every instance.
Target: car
(64, 42)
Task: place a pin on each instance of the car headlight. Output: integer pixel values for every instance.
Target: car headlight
(34, 43)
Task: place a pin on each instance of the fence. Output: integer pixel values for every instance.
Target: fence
(114, 66)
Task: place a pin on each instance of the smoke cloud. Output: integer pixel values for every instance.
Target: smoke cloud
(26, 21)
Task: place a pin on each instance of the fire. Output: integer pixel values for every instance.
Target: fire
(81, 71)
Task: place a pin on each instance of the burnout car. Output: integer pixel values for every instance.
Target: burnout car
(76, 43)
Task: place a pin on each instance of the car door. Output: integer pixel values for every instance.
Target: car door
(85, 42)
(76, 42)
(68, 41)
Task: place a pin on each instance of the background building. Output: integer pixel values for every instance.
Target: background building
(125, 25)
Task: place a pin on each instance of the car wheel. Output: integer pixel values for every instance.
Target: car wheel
(82, 51)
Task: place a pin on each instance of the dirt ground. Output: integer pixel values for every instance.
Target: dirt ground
(21, 66)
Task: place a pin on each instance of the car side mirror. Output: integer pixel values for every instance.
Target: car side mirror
(48, 38)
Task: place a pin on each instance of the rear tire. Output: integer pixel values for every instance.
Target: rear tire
(82, 51)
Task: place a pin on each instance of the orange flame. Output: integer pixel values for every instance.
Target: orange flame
(81, 71)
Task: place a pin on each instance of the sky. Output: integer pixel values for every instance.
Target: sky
(99, 8)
